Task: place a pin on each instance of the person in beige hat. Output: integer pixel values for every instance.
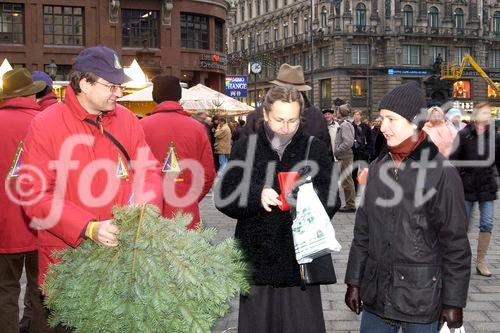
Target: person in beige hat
(314, 123)
(18, 242)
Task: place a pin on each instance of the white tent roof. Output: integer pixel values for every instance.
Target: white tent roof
(214, 100)
(146, 95)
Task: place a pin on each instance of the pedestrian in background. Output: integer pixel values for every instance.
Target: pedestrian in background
(454, 116)
(360, 147)
(171, 146)
(409, 263)
(479, 181)
(238, 131)
(344, 141)
(276, 302)
(333, 126)
(440, 130)
(18, 243)
(222, 144)
(46, 97)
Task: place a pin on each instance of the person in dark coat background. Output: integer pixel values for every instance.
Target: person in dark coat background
(168, 144)
(18, 243)
(409, 263)
(46, 97)
(313, 121)
(479, 179)
(276, 302)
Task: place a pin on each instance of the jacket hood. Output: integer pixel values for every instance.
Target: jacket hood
(20, 103)
(169, 106)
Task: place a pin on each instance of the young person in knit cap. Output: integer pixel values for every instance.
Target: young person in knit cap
(174, 137)
(46, 97)
(409, 263)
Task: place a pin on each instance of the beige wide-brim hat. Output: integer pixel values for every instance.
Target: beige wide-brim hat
(291, 76)
(18, 83)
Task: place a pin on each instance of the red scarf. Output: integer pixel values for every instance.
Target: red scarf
(404, 149)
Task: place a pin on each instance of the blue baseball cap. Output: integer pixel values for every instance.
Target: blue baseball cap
(102, 61)
(42, 76)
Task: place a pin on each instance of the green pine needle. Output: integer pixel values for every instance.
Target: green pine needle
(161, 278)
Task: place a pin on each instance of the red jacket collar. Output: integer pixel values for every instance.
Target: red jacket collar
(20, 103)
(74, 105)
(169, 106)
(47, 100)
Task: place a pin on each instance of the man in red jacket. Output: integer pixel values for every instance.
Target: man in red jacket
(84, 156)
(18, 246)
(46, 97)
(182, 144)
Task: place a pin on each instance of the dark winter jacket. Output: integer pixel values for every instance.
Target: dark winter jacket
(266, 237)
(407, 258)
(479, 181)
(313, 122)
(362, 142)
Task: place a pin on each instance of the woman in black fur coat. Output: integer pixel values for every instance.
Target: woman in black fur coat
(248, 191)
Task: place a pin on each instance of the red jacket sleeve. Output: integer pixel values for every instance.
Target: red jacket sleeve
(41, 200)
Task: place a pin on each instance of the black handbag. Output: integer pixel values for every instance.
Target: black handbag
(320, 270)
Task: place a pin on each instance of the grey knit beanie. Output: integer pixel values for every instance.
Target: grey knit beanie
(407, 100)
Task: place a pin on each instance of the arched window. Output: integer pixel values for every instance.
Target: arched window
(433, 18)
(496, 23)
(360, 17)
(324, 14)
(459, 19)
(408, 17)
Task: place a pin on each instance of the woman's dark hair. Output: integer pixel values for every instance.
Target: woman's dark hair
(285, 94)
(76, 76)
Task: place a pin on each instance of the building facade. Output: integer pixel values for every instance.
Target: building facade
(357, 51)
(183, 38)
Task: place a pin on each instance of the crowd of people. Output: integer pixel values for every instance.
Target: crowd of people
(418, 173)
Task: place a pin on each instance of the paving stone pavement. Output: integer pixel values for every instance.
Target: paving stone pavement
(483, 305)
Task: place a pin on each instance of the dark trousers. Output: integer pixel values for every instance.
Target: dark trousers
(285, 310)
(40, 316)
(11, 269)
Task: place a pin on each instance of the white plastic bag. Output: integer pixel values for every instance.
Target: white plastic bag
(445, 329)
(313, 233)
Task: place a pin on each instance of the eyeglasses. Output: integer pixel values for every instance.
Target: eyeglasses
(282, 122)
(112, 87)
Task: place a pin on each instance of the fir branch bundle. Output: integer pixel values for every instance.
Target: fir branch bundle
(161, 278)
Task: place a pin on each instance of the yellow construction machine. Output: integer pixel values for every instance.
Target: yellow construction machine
(452, 72)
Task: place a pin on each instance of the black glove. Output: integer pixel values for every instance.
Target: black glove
(353, 299)
(453, 316)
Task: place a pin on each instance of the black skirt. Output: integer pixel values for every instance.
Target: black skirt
(288, 310)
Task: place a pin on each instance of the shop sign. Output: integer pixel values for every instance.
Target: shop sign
(236, 85)
(394, 71)
(212, 61)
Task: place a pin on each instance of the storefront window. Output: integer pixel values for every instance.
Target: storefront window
(461, 89)
(194, 31)
(358, 88)
(11, 23)
(139, 26)
(62, 25)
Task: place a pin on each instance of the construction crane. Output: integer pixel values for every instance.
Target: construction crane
(452, 72)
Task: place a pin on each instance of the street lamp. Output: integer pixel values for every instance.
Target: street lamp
(368, 92)
(52, 69)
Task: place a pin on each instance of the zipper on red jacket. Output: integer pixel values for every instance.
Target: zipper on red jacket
(98, 122)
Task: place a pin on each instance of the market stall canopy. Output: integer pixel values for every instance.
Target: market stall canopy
(137, 75)
(146, 95)
(5, 67)
(212, 100)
